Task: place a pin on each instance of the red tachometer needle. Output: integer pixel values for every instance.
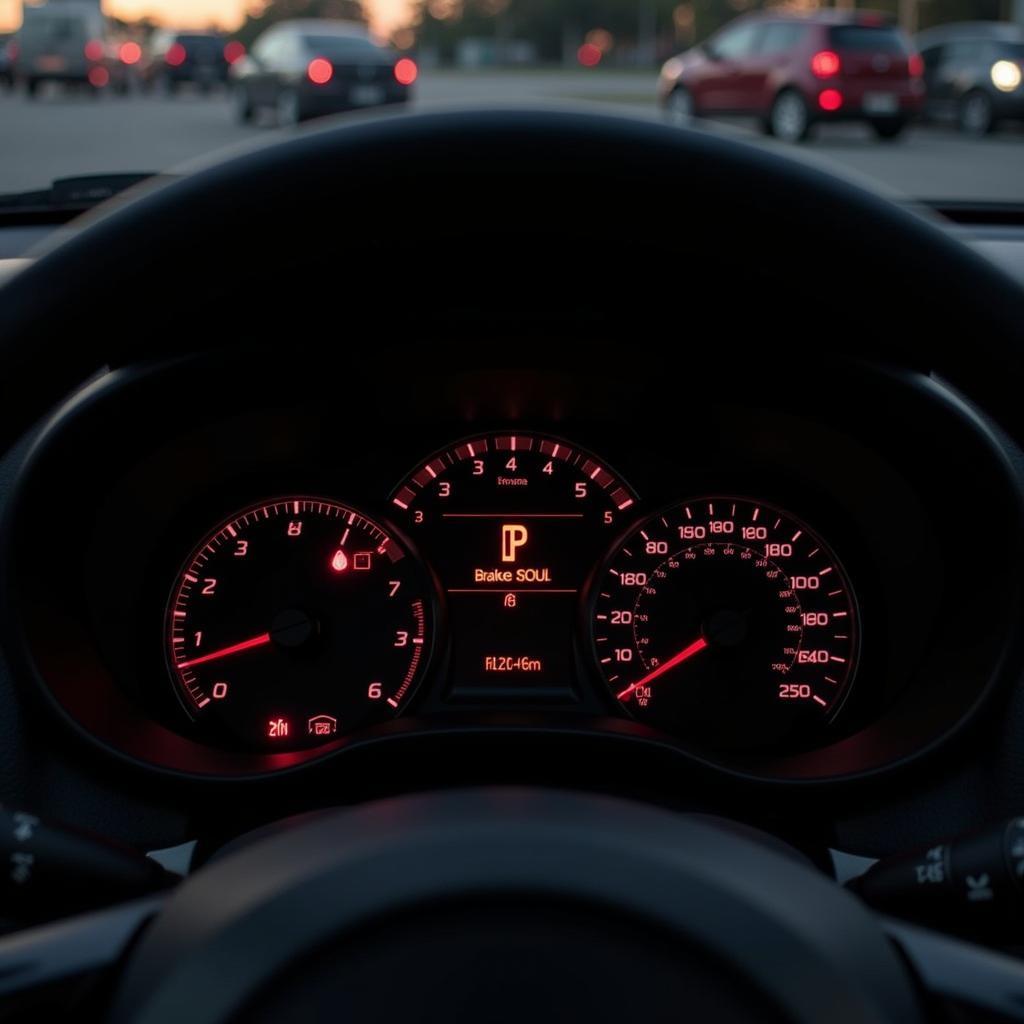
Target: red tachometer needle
(245, 645)
(678, 659)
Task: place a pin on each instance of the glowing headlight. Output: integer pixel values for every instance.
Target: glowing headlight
(1006, 75)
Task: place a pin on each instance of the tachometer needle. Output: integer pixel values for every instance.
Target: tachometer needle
(245, 645)
(677, 659)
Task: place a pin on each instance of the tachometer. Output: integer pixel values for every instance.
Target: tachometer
(728, 621)
(512, 524)
(297, 620)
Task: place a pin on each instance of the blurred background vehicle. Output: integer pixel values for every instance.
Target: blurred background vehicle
(974, 73)
(793, 72)
(174, 59)
(7, 46)
(71, 42)
(308, 68)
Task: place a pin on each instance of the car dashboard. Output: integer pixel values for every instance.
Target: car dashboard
(245, 587)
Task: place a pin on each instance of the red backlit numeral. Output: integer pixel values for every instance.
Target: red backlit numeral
(815, 618)
(401, 638)
(794, 691)
(393, 587)
(609, 518)
(692, 532)
(812, 657)
(778, 551)
(633, 579)
(219, 691)
(478, 467)
(277, 728)
(805, 583)
(241, 548)
(722, 526)
(656, 547)
(444, 489)
(197, 637)
(549, 468)
(374, 691)
(512, 465)
(623, 618)
(755, 532)
(581, 489)
(623, 653)
(295, 528)
(209, 586)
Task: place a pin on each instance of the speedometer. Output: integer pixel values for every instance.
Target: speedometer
(726, 620)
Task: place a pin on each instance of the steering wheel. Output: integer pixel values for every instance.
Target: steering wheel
(499, 903)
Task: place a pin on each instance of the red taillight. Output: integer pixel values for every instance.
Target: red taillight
(588, 55)
(175, 55)
(320, 71)
(825, 64)
(915, 65)
(406, 71)
(94, 50)
(130, 53)
(830, 99)
(233, 51)
(98, 76)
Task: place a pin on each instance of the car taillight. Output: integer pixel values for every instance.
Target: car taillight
(915, 65)
(94, 50)
(825, 64)
(319, 71)
(830, 99)
(98, 76)
(406, 71)
(130, 53)
(175, 55)
(234, 51)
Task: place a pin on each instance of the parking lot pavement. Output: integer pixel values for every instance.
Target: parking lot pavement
(61, 135)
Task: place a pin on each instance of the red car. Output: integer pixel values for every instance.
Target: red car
(794, 72)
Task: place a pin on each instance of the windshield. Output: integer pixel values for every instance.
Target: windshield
(914, 99)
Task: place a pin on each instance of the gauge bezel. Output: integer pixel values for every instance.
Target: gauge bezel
(430, 597)
(592, 595)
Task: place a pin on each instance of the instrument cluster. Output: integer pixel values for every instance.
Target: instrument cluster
(767, 593)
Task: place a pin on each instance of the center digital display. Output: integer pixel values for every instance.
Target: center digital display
(512, 524)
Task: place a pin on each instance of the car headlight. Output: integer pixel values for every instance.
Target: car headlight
(672, 68)
(1006, 75)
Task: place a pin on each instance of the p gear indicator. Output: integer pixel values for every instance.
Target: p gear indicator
(512, 524)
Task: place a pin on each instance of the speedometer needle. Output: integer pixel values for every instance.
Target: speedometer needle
(245, 645)
(677, 659)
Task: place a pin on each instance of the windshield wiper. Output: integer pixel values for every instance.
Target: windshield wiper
(65, 198)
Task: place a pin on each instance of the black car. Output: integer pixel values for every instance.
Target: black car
(308, 68)
(974, 74)
(174, 59)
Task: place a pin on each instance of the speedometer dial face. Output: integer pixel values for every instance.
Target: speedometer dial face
(295, 621)
(512, 524)
(727, 621)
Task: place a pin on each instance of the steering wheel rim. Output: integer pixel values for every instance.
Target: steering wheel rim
(811, 950)
(598, 176)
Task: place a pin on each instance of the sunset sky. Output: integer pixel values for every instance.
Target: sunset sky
(384, 14)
